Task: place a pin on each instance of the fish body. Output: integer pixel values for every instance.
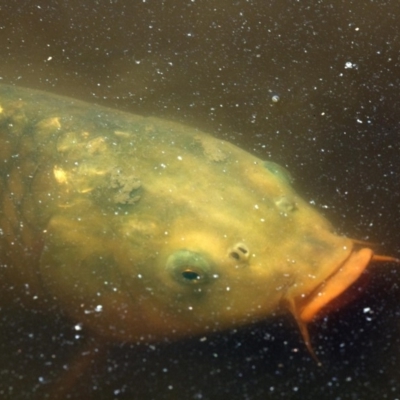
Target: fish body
(143, 229)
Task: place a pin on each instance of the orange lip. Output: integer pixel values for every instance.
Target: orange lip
(336, 284)
(304, 310)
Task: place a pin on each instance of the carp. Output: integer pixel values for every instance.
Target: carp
(143, 229)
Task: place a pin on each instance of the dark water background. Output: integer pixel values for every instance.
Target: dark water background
(216, 65)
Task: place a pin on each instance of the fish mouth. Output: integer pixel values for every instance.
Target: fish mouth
(333, 286)
(305, 309)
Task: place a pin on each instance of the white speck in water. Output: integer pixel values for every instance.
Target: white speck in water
(99, 308)
(275, 98)
(179, 158)
(350, 65)
(78, 327)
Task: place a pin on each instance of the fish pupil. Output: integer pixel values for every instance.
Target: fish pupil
(189, 267)
(190, 275)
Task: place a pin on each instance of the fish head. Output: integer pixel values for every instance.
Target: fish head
(248, 250)
(209, 246)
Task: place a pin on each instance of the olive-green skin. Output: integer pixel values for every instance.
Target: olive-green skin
(143, 229)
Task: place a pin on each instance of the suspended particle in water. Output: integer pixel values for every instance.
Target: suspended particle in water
(275, 98)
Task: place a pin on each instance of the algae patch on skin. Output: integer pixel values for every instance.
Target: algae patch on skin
(127, 186)
(212, 148)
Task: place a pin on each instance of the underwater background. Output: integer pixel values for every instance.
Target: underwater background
(313, 86)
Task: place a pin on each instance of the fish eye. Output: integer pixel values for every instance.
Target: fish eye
(190, 275)
(188, 267)
(239, 252)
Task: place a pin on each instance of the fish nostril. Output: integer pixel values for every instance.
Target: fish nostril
(243, 249)
(239, 252)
